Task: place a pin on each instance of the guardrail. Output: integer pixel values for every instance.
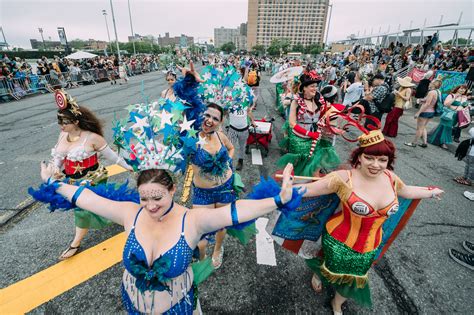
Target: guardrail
(17, 88)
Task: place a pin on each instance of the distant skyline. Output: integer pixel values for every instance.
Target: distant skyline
(83, 19)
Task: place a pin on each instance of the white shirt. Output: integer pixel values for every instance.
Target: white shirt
(353, 93)
(238, 118)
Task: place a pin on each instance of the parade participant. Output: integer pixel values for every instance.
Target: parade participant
(213, 176)
(238, 131)
(448, 125)
(75, 157)
(352, 237)
(425, 113)
(169, 92)
(402, 96)
(161, 235)
(306, 151)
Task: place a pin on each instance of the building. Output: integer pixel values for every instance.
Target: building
(47, 44)
(238, 36)
(301, 21)
(179, 41)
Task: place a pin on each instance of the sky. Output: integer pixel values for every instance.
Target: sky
(83, 19)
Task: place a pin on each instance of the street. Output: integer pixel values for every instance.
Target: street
(416, 276)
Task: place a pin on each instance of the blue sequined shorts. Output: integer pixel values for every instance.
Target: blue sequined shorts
(185, 306)
(221, 194)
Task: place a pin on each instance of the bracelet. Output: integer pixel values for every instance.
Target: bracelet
(233, 213)
(278, 201)
(76, 195)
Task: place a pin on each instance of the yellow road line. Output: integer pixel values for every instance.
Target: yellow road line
(27, 294)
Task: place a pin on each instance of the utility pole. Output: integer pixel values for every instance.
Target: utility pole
(115, 30)
(329, 24)
(131, 28)
(41, 32)
(104, 13)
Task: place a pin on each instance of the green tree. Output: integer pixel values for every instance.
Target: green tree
(313, 49)
(279, 46)
(258, 50)
(228, 47)
(298, 48)
(461, 42)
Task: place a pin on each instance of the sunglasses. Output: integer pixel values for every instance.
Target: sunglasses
(170, 80)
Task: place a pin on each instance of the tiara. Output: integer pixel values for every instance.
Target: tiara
(155, 136)
(65, 101)
(373, 137)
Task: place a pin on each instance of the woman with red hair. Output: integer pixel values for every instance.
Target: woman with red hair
(351, 238)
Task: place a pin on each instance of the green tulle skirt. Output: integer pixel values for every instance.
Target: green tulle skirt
(324, 155)
(278, 104)
(344, 269)
(87, 220)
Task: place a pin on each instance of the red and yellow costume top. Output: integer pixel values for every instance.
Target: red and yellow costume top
(358, 225)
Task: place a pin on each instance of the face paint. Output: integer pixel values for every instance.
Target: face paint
(154, 194)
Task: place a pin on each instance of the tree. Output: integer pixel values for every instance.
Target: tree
(298, 48)
(313, 49)
(228, 47)
(279, 46)
(461, 42)
(258, 49)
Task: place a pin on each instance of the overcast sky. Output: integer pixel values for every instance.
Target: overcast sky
(83, 19)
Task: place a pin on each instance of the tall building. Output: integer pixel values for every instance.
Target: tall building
(180, 41)
(301, 21)
(238, 36)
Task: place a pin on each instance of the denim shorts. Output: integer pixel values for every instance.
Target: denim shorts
(427, 115)
(221, 194)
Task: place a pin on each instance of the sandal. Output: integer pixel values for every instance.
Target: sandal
(410, 144)
(461, 180)
(316, 284)
(68, 250)
(217, 262)
(424, 145)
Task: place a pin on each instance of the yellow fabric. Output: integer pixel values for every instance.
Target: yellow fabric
(338, 278)
(339, 186)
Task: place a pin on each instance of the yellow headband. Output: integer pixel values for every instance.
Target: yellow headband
(374, 137)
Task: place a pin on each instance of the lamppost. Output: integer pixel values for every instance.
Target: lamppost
(41, 32)
(131, 28)
(329, 23)
(104, 13)
(115, 30)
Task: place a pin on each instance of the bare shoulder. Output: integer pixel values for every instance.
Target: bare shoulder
(342, 174)
(130, 210)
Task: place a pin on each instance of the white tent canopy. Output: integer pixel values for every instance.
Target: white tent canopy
(81, 55)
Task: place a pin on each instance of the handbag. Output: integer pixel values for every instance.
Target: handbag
(448, 114)
(407, 104)
(464, 117)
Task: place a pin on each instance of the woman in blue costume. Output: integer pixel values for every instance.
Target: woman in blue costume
(161, 235)
(213, 180)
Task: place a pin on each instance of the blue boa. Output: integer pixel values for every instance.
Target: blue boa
(186, 89)
(47, 194)
(268, 188)
(150, 278)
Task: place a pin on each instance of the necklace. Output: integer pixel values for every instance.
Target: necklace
(73, 139)
(167, 211)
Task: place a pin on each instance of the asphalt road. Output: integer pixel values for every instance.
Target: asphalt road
(415, 276)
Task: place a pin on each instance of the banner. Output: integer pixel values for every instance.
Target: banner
(62, 36)
(416, 74)
(450, 79)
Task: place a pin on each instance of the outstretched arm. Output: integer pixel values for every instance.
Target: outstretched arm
(209, 220)
(115, 211)
(417, 192)
(322, 186)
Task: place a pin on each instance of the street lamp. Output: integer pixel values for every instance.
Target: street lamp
(104, 13)
(115, 30)
(41, 32)
(131, 28)
(329, 23)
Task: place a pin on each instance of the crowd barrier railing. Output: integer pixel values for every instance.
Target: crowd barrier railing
(17, 88)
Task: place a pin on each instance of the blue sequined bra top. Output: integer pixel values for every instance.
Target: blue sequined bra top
(169, 265)
(212, 164)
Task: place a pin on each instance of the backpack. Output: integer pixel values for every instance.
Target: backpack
(252, 78)
(387, 103)
(439, 107)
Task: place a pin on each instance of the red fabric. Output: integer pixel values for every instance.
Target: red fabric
(73, 167)
(390, 128)
(300, 130)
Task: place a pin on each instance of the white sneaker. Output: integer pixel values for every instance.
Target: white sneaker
(469, 195)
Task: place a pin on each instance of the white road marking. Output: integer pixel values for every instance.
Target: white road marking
(256, 157)
(264, 242)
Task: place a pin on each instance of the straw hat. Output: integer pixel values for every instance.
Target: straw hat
(405, 82)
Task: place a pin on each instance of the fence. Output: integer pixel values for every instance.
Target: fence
(17, 88)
